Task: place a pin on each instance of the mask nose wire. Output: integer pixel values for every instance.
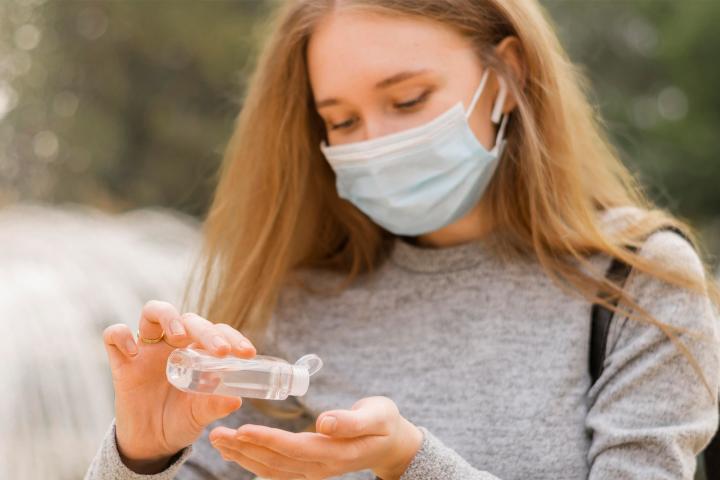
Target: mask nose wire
(478, 91)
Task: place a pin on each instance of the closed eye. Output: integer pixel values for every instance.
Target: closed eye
(413, 102)
(402, 106)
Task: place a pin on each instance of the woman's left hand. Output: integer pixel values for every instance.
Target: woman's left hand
(372, 435)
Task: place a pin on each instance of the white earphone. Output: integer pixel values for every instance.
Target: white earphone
(499, 102)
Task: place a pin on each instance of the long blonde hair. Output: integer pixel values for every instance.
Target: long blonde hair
(276, 209)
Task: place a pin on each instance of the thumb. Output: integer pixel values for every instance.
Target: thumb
(208, 408)
(369, 416)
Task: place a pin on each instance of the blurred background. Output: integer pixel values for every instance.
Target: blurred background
(113, 119)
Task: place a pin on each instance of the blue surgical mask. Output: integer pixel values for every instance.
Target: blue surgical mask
(423, 178)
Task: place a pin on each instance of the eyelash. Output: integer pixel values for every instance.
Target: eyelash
(405, 105)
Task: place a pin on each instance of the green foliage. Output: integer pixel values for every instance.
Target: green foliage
(140, 96)
(654, 69)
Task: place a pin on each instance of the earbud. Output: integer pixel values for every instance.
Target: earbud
(499, 102)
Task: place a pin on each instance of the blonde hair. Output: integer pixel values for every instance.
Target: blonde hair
(276, 209)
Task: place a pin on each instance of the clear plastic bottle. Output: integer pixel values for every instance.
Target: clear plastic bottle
(197, 371)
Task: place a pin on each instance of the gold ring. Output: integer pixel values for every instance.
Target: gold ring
(151, 340)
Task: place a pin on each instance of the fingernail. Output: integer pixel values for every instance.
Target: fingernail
(243, 438)
(131, 347)
(246, 344)
(219, 342)
(176, 327)
(328, 424)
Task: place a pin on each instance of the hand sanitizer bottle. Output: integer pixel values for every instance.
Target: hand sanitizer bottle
(197, 371)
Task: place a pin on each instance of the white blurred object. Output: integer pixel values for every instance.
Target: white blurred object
(66, 274)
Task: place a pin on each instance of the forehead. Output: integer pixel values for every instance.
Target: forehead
(351, 50)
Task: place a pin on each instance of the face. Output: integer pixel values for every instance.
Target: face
(373, 75)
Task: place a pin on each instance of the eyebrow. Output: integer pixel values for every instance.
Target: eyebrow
(385, 83)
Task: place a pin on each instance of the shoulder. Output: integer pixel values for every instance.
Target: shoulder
(674, 252)
(666, 301)
(670, 302)
(639, 343)
(664, 247)
(617, 218)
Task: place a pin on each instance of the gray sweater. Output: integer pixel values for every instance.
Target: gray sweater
(489, 359)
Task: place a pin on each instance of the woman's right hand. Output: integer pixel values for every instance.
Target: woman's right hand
(153, 419)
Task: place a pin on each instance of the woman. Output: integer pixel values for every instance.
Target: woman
(419, 192)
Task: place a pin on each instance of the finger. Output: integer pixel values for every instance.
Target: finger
(369, 416)
(270, 458)
(256, 467)
(241, 346)
(302, 446)
(214, 338)
(158, 316)
(205, 409)
(119, 343)
(221, 433)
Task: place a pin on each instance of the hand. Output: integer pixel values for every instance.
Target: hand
(155, 420)
(371, 435)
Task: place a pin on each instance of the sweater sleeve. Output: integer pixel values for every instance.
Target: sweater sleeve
(107, 463)
(436, 461)
(649, 412)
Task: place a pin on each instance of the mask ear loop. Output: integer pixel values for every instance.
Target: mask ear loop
(479, 90)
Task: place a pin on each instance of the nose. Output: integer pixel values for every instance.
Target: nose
(377, 127)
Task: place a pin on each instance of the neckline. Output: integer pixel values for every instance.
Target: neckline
(452, 258)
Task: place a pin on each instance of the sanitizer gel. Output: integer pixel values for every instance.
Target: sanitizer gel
(195, 370)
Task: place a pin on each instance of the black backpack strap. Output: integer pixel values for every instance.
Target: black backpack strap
(710, 457)
(617, 272)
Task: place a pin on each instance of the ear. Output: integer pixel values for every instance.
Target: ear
(510, 52)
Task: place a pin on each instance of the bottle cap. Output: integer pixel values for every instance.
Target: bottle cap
(300, 380)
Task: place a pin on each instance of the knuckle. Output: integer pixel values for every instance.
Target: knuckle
(391, 406)
(208, 332)
(159, 309)
(213, 332)
(192, 317)
(224, 329)
(230, 330)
